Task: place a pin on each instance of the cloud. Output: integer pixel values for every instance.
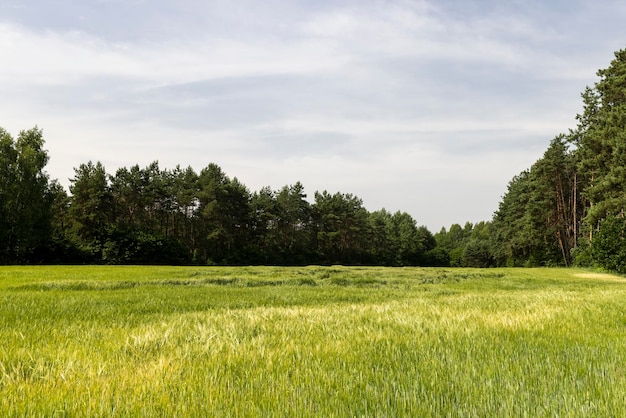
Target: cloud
(69, 57)
(400, 102)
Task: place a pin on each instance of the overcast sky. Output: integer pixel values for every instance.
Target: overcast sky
(428, 107)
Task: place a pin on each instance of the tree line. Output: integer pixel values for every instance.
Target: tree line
(151, 215)
(568, 208)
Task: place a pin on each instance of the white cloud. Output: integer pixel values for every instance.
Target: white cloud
(69, 57)
(399, 102)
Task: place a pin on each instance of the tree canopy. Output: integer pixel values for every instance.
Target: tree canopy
(564, 209)
(152, 215)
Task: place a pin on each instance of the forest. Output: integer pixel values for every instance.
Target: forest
(566, 209)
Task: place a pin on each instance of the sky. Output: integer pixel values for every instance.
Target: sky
(427, 107)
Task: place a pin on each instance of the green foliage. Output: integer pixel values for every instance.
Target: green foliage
(340, 223)
(396, 240)
(608, 248)
(222, 217)
(477, 253)
(536, 221)
(601, 156)
(452, 241)
(437, 257)
(282, 226)
(26, 197)
(154, 216)
(470, 246)
(136, 247)
(91, 207)
(602, 142)
(554, 210)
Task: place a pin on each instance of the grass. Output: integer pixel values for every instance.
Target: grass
(313, 341)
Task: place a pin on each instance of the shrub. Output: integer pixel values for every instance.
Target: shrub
(608, 248)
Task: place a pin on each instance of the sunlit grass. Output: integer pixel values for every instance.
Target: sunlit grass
(314, 341)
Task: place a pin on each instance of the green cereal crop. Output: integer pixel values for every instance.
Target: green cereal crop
(311, 341)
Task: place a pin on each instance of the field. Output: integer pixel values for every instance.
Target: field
(312, 341)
